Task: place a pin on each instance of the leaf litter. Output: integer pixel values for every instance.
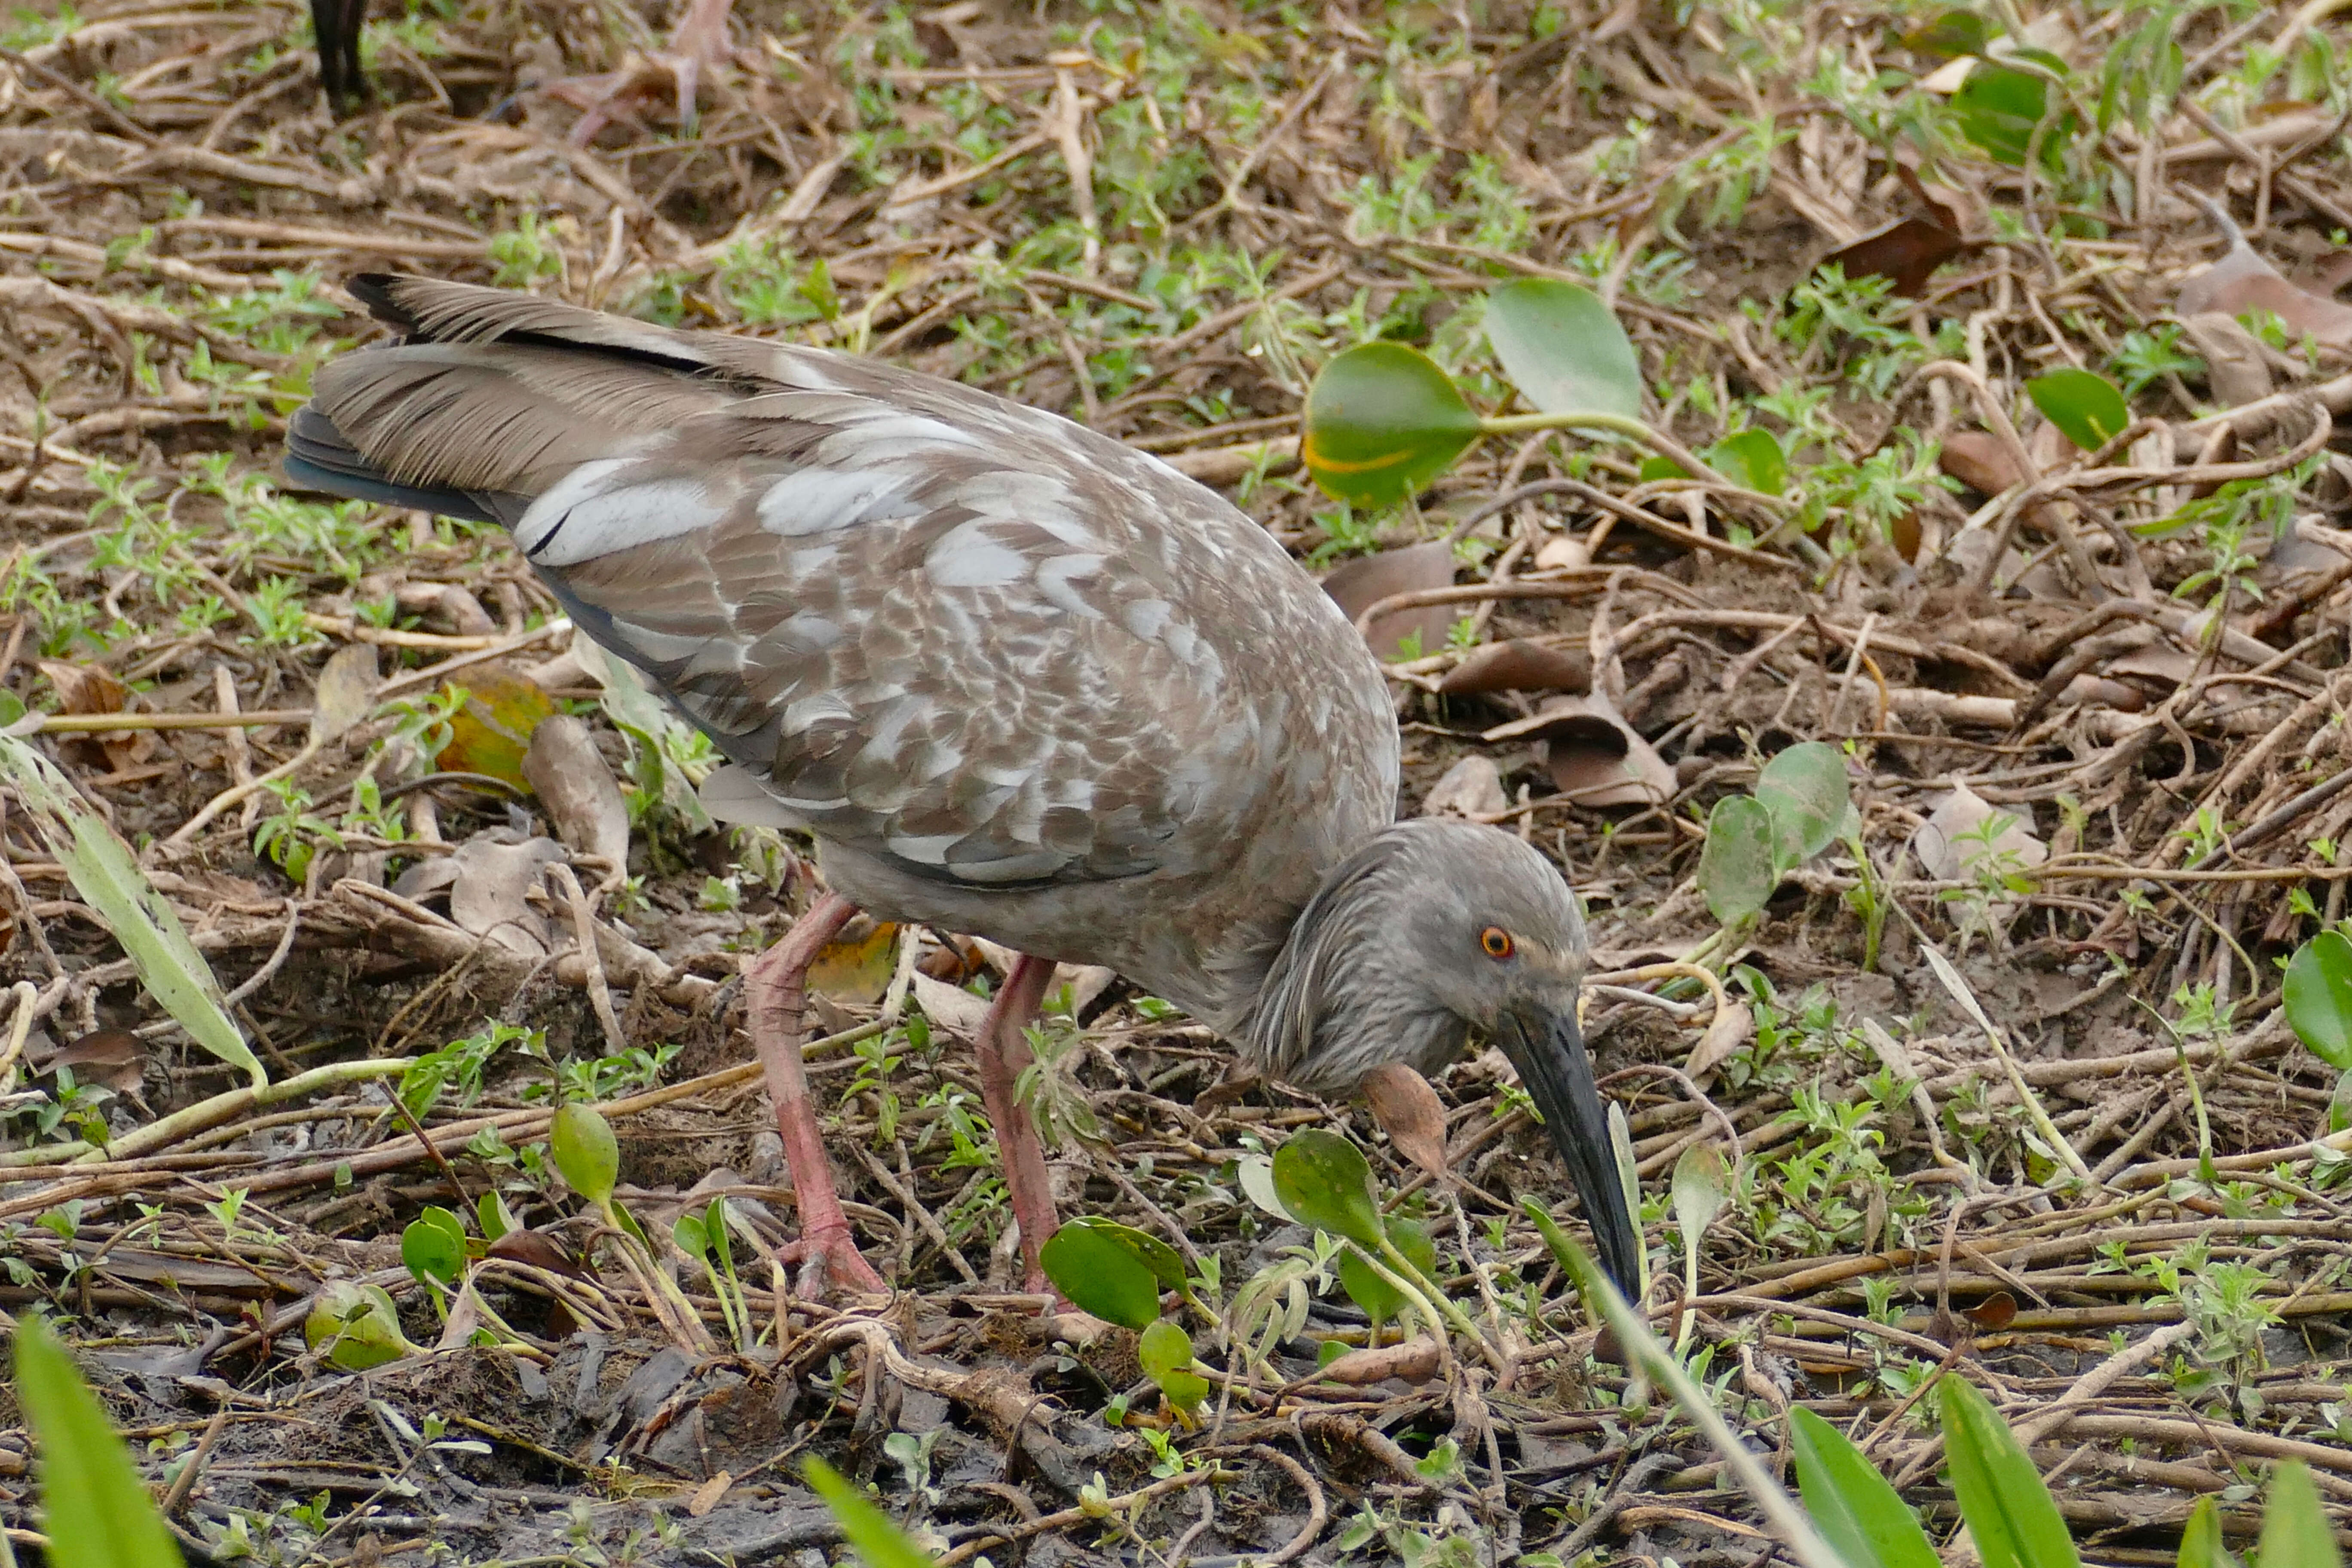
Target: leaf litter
(242, 721)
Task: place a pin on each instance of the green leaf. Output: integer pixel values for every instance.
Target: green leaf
(1751, 459)
(1327, 1182)
(1144, 1247)
(586, 1154)
(1102, 1277)
(2011, 1515)
(1851, 1504)
(1997, 108)
(1803, 790)
(1702, 1182)
(2295, 1533)
(1375, 1295)
(1738, 867)
(2319, 998)
(878, 1542)
(1183, 1388)
(96, 1511)
(1382, 421)
(1563, 1251)
(714, 1231)
(495, 1218)
(142, 921)
(434, 1246)
(2200, 1539)
(1655, 466)
(1164, 1348)
(2086, 408)
(357, 1326)
(692, 1239)
(1563, 349)
(1950, 36)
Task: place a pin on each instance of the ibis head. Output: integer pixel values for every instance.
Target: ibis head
(1432, 934)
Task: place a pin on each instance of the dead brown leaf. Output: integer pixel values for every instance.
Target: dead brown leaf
(1596, 758)
(1415, 1359)
(1360, 584)
(1408, 1110)
(1518, 665)
(1908, 253)
(2242, 280)
(572, 781)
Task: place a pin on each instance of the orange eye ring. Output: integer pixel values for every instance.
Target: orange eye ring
(1497, 944)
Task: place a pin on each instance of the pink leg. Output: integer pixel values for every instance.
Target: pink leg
(776, 984)
(1002, 1053)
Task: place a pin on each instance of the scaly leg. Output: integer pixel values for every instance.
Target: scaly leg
(1002, 1052)
(776, 984)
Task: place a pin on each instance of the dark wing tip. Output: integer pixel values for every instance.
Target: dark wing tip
(379, 291)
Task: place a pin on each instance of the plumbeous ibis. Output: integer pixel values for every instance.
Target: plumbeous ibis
(1015, 678)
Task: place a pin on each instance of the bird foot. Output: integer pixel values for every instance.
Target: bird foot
(828, 1256)
(699, 43)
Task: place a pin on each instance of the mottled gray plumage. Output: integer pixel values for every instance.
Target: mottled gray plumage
(1018, 680)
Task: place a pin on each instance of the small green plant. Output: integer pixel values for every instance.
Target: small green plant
(704, 1237)
(2318, 1000)
(1800, 807)
(1118, 1273)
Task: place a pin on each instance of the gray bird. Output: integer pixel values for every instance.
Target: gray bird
(1015, 678)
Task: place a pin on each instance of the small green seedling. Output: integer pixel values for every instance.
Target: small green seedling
(434, 1248)
(703, 1237)
(1118, 1273)
(1801, 807)
(355, 1327)
(2319, 1005)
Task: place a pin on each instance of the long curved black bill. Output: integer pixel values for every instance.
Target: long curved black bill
(1547, 1049)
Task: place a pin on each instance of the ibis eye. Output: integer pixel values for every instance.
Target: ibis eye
(1497, 943)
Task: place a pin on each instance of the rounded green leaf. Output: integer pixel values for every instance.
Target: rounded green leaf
(1737, 869)
(1164, 1348)
(1999, 108)
(2319, 998)
(96, 1511)
(1382, 421)
(1101, 1277)
(691, 1238)
(1375, 1295)
(2086, 408)
(1327, 1182)
(357, 1326)
(1563, 349)
(2011, 1517)
(2295, 1533)
(1803, 790)
(495, 1218)
(586, 1154)
(1851, 1504)
(1146, 1248)
(1184, 1389)
(1656, 467)
(434, 1246)
(1752, 459)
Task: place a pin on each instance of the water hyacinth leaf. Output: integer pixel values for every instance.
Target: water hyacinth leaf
(1752, 459)
(2200, 1539)
(878, 1542)
(1382, 421)
(586, 1154)
(1563, 349)
(2086, 408)
(434, 1246)
(96, 1512)
(2295, 1533)
(2319, 998)
(144, 922)
(1101, 1277)
(1851, 1504)
(1803, 789)
(2011, 1515)
(1738, 866)
(1143, 1247)
(1163, 1348)
(1327, 1182)
(1375, 1295)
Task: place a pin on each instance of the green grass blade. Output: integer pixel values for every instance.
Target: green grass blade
(2296, 1533)
(1852, 1506)
(97, 1514)
(2010, 1514)
(878, 1542)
